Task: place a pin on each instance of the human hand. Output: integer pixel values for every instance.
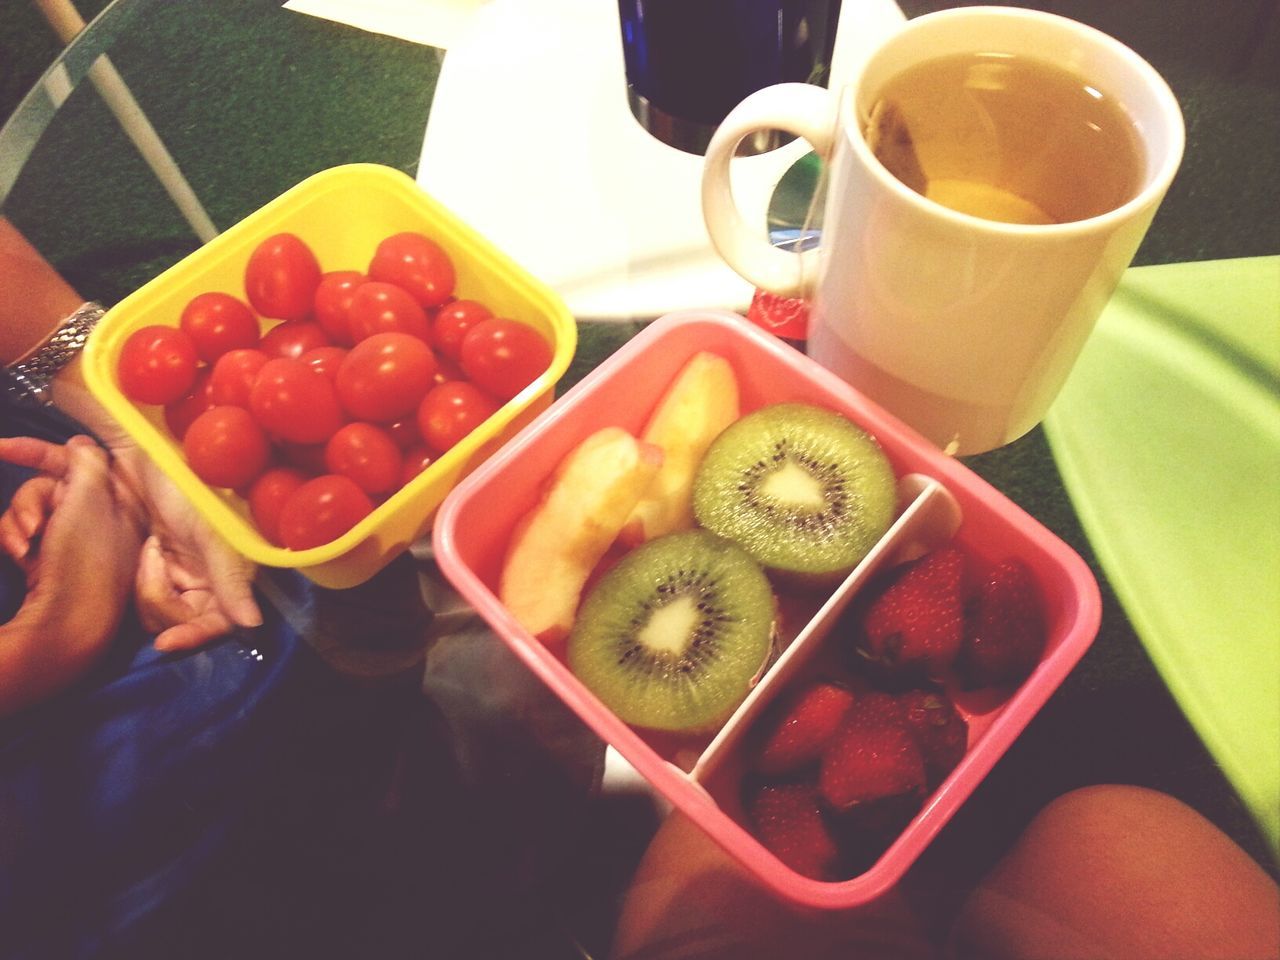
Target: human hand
(191, 586)
(77, 534)
(77, 468)
(24, 519)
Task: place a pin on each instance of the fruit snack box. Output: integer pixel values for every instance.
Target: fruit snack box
(941, 516)
(341, 214)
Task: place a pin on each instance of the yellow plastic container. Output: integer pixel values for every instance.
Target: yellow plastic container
(342, 214)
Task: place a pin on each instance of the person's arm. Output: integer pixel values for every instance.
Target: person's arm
(78, 585)
(34, 297)
(34, 302)
(192, 586)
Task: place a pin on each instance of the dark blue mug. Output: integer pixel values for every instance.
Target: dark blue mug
(689, 62)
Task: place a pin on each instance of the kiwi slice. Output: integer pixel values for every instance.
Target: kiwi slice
(802, 489)
(673, 637)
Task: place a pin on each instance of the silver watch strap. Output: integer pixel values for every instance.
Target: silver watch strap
(31, 380)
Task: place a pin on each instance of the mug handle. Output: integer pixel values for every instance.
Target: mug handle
(801, 109)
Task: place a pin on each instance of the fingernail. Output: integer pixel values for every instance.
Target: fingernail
(248, 616)
(30, 524)
(15, 546)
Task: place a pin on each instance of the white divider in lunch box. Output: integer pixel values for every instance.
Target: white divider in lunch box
(930, 518)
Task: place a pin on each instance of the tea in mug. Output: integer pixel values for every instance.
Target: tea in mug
(1006, 138)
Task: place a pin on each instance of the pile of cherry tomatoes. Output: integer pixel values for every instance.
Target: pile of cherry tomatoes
(367, 378)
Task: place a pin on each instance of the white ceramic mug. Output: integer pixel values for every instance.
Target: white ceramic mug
(963, 327)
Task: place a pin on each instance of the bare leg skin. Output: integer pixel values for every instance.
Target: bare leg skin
(689, 899)
(1126, 873)
(1102, 873)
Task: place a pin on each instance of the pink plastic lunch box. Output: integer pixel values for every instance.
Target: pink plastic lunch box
(940, 498)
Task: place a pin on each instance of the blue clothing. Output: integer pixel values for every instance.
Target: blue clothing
(246, 800)
(116, 794)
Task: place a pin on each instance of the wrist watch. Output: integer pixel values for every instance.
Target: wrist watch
(31, 380)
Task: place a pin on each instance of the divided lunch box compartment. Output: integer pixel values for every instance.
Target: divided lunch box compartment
(940, 500)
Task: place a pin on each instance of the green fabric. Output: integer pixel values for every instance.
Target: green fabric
(1168, 438)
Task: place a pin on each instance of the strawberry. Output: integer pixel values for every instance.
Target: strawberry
(917, 624)
(800, 726)
(786, 317)
(875, 708)
(1004, 634)
(788, 820)
(941, 732)
(872, 777)
(865, 830)
(870, 760)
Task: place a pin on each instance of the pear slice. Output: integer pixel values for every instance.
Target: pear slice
(557, 545)
(699, 404)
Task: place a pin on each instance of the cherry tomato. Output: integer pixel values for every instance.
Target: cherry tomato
(503, 357)
(157, 365)
(281, 278)
(416, 263)
(451, 411)
(404, 431)
(233, 376)
(321, 510)
(294, 402)
(367, 455)
(307, 457)
(267, 496)
(378, 307)
(333, 299)
(416, 459)
(293, 338)
(325, 359)
(225, 447)
(385, 377)
(451, 323)
(179, 414)
(218, 322)
(447, 370)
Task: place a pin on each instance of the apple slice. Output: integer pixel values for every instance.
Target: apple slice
(556, 545)
(699, 404)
